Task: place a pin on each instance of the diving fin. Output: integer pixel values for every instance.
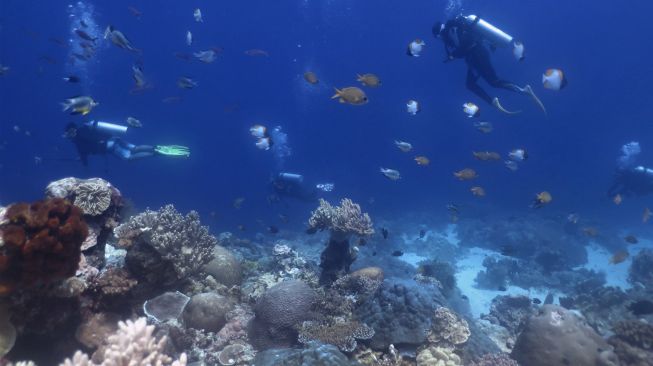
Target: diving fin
(495, 102)
(173, 150)
(528, 90)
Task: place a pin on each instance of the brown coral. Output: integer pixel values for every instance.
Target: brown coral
(93, 197)
(42, 243)
(340, 334)
(346, 219)
(448, 329)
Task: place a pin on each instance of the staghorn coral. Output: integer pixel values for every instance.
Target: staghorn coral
(42, 243)
(93, 196)
(346, 219)
(448, 329)
(340, 334)
(133, 344)
(438, 356)
(179, 240)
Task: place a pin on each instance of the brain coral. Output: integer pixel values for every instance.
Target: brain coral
(279, 311)
(41, 243)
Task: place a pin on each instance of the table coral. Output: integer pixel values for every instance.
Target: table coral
(340, 334)
(42, 243)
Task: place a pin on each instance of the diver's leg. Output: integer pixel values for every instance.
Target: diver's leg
(140, 151)
(117, 147)
(472, 85)
(482, 63)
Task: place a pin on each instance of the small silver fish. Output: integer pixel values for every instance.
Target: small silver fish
(415, 48)
(206, 56)
(186, 83)
(197, 14)
(413, 107)
(189, 38)
(390, 173)
(133, 122)
(518, 50)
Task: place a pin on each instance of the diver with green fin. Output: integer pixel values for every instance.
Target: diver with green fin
(102, 138)
(466, 37)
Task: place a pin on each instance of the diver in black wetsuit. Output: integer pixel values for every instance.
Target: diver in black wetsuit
(462, 41)
(99, 138)
(631, 180)
(293, 186)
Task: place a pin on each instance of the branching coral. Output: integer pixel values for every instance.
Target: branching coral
(345, 219)
(133, 344)
(448, 329)
(340, 334)
(361, 283)
(179, 240)
(42, 243)
(635, 332)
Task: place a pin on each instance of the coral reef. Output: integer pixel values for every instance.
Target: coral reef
(236, 354)
(440, 273)
(633, 342)
(510, 312)
(641, 270)
(101, 204)
(340, 334)
(207, 311)
(346, 219)
(448, 329)
(438, 356)
(133, 344)
(361, 283)
(175, 240)
(165, 307)
(7, 331)
(399, 314)
(342, 221)
(557, 337)
(224, 267)
(315, 354)
(94, 331)
(278, 312)
(494, 359)
(41, 243)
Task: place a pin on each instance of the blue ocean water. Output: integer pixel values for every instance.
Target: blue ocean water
(602, 47)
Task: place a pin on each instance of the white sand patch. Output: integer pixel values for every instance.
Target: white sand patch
(598, 259)
(480, 299)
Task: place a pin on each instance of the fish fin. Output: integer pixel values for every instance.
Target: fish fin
(65, 106)
(337, 94)
(342, 100)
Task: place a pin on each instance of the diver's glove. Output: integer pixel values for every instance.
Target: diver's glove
(173, 150)
(495, 102)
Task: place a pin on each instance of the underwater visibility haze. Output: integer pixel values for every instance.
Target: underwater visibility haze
(326, 182)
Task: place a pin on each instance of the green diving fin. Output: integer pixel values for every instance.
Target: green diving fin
(173, 150)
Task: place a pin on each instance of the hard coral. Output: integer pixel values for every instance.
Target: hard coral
(495, 359)
(340, 334)
(93, 197)
(635, 332)
(641, 271)
(346, 219)
(448, 329)
(438, 356)
(279, 311)
(179, 240)
(133, 344)
(42, 243)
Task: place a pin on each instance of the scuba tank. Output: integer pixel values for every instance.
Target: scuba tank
(107, 127)
(291, 177)
(487, 31)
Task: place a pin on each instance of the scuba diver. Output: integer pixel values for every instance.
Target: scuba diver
(630, 179)
(100, 138)
(292, 185)
(465, 37)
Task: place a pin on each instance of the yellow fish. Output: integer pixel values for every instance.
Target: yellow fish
(422, 160)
